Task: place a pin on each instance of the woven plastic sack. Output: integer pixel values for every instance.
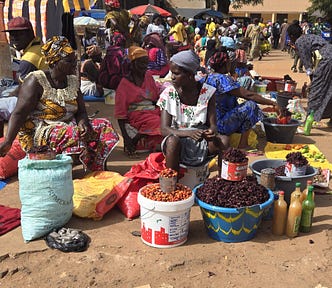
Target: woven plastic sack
(97, 193)
(46, 191)
(9, 163)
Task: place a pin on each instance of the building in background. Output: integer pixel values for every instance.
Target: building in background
(273, 10)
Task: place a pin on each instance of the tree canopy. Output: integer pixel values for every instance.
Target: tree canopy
(322, 6)
(223, 5)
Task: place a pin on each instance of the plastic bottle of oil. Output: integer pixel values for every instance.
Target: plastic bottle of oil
(279, 215)
(294, 217)
(308, 123)
(305, 192)
(297, 191)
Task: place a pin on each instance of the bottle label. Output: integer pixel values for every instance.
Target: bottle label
(297, 222)
(306, 219)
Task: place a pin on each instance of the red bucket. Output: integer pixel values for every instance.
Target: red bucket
(233, 171)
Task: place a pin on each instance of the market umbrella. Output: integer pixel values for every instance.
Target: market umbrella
(149, 10)
(86, 21)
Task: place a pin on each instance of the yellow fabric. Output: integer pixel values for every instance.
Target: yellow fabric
(179, 30)
(56, 48)
(136, 52)
(252, 140)
(278, 151)
(97, 193)
(210, 28)
(33, 54)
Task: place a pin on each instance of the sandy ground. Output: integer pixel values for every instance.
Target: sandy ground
(116, 258)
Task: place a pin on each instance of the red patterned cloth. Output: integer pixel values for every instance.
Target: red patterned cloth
(10, 218)
(94, 151)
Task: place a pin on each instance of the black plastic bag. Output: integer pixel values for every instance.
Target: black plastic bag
(68, 240)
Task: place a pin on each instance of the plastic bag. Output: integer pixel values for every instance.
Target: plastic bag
(142, 173)
(97, 193)
(294, 106)
(9, 163)
(68, 240)
(46, 191)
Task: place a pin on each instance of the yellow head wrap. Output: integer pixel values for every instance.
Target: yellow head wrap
(136, 52)
(55, 49)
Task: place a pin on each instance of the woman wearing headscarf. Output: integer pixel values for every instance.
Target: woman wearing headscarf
(117, 19)
(50, 112)
(135, 99)
(231, 116)
(316, 55)
(188, 116)
(154, 45)
(90, 73)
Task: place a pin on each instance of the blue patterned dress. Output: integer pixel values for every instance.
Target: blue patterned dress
(231, 116)
(320, 94)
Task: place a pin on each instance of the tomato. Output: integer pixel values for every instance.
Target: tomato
(282, 120)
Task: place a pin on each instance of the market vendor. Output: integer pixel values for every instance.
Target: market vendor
(233, 117)
(316, 55)
(50, 111)
(135, 99)
(188, 116)
(22, 38)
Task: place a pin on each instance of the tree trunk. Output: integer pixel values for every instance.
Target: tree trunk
(223, 6)
(6, 65)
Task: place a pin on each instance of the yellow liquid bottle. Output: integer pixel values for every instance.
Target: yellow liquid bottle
(279, 215)
(305, 192)
(297, 191)
(294, 217)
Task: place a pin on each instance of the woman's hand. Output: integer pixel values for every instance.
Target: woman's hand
(4, 148)
(83, 127)
(277, 109)
(209, 135)
(196, 134)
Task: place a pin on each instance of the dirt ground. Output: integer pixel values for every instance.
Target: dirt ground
(116, 258)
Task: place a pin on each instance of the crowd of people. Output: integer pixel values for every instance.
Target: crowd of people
(190, 117)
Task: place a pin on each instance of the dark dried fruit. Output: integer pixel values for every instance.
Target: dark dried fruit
(234, 155)
(297, 159)
(222, 193)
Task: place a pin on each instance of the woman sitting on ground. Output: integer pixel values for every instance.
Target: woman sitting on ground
(188, 116)
(90, 73)
(158, 64)
(233, 117)
(50, 112)
(135, 100)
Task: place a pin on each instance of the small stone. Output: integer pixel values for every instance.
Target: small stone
(311, 241)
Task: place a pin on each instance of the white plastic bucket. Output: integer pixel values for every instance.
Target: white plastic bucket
(292, 171)
(194, 176)
(164, 224)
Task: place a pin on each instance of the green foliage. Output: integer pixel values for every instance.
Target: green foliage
(223, 5)
(321, 5)
(236, 4)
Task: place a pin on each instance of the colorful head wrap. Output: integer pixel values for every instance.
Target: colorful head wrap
(93, 50)
(55, 49)
(188, 60)
(218, 60)
(118, 40)
(112, 3)
(136, 52)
